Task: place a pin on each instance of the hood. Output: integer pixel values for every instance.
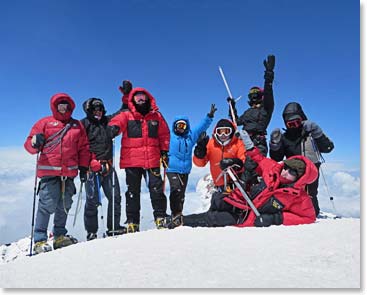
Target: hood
(310, 174)
(88, 110)
(293, 109)
(153, 105)
(224, 123)
(184, 118)
(55, 100)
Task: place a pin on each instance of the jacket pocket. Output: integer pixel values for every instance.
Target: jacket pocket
(153, 128)
(134, 129)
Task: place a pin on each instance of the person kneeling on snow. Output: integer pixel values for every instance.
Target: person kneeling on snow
(280, 197)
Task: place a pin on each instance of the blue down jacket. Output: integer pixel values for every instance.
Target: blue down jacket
(180, 147)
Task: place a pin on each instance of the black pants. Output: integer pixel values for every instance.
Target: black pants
(219, 214)
(93, 201)
(178, 184)
(157, 197)
(312, 190)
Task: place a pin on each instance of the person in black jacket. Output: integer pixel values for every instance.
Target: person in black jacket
(301, 137)
(256, 119)
(100, 170)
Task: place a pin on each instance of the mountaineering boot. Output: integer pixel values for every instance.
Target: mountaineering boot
(171, 222)
(159, 222)
(132, 227)
(64, 241)
(41, 247)
(120, 230)
(91, 236)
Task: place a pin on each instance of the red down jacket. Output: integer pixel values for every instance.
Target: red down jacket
(143, 137)
(64, 154)
(298, 208)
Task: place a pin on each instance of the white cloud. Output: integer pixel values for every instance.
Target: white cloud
(17, 172)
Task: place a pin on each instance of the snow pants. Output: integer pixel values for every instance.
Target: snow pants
(157, 196)
(178, 184)
(219, 214)
(52, 199)
(94, 199)
(312, 190)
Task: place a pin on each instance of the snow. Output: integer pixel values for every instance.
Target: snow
(325, 254)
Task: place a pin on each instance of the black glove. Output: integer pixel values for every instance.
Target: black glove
(213, 109)
(126, 87)
(112, 131)
(83, 174)
(231, 101)
(200, 148)
(269, 219)
(164, 159)
(269, 68)
(227, 162)
(38, 140)
(275, 136)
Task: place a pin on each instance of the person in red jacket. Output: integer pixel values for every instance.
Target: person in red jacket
(62, 146)
(144, 142)
(280, 197)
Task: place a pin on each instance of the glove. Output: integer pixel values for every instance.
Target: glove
(269, 219)
(213, 109)
(38, 140)
(246, 139)
(112, 131)
(228, 162)
(95, 166)
(269, 67)
(312, 128)
(164, 159)
(200, 148)
(275, 136)
(126, 87)
(83, 174)
(231, 101)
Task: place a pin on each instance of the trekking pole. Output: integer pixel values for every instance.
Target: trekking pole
(100, 202)
(230, 95)
(238, 185)
(78, 204)
(34, 204)
(113, 186)
(322, 160)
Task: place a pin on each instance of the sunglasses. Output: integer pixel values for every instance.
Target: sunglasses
(294, 123)
(223, 131)
(291, 171)
(97, 109)
(141, 97)
(63, 106)
(181, 125)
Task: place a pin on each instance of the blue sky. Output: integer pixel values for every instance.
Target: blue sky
(173, 48)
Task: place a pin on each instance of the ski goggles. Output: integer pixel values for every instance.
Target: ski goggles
(290, 170)
(140, 98)
(295, 123)
(181, 125)
(63, 106)
(255, 94)
(223, 131)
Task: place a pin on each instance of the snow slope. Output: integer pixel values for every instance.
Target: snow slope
(325, 254)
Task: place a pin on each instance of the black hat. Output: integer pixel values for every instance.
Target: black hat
(297, 165)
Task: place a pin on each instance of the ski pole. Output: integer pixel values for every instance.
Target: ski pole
(100, 201)
(113, 186)
(230, 95)
(34, 204)
(238, 185)
(78, 204)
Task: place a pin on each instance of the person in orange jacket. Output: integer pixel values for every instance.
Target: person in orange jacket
(223, 145)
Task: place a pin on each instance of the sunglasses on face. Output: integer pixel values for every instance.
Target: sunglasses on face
(63, 106)
(140, 97)
(294, 123)
(181, 125)
(291, 171)
(223, 131)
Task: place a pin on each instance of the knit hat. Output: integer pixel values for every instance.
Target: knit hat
(297, 165)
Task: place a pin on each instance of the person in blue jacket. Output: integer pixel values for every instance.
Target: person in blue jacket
(182, 140)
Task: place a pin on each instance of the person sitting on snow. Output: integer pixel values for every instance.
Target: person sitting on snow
(280, 197)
